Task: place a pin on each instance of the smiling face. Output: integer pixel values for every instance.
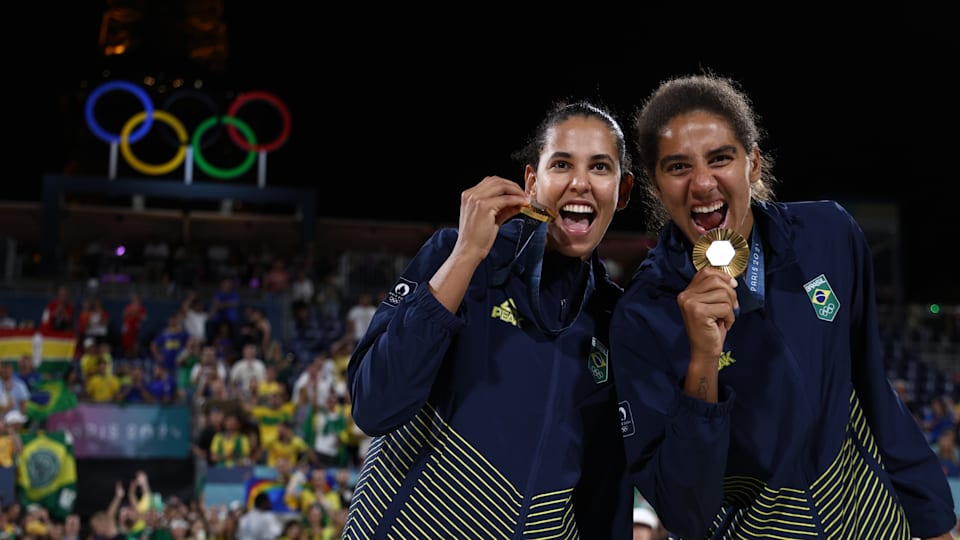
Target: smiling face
(579, 176)
(704, 175)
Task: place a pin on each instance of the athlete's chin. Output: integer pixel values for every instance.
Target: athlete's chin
(577, 247)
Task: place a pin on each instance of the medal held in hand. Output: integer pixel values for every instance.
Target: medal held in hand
(723, 248)
(538, 212)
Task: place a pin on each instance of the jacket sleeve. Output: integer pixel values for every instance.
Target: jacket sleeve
(676, 446)
(916, 474)
(394, 365)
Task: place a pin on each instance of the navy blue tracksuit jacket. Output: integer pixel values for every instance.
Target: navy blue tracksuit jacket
(499, 421)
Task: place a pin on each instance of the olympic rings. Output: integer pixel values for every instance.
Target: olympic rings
(277, 104)
(240, 132)
(251, 142)
(118, 85)
(198, 95)
(146, 168)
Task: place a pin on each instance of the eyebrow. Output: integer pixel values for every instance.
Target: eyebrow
(595, 157)
(725, 149)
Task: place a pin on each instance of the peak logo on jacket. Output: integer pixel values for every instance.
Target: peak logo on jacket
(725, 360)
(825, 303)
(507, 312)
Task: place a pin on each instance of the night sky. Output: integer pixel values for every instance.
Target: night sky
(392, 121)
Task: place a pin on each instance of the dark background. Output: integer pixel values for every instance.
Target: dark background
(396, 111)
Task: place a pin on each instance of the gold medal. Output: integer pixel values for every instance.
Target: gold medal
(722, 248)
(538, 212)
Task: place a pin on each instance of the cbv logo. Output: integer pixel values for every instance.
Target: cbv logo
(825, 302)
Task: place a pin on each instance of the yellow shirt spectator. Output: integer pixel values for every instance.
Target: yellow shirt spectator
(103, 387)
(291, 449)
(89, 360)
(230, 450)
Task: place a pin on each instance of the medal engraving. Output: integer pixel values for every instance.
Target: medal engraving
(722, 248)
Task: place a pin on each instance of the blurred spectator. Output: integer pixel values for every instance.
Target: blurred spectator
(329, 421)
(343, 486)
(94, 320)
(302, 412)
(354, 443)
(330, 296)
(286, 445)
(247, 368)
(58, 313)
(937, 418)
(188, 359)
(74, 381)
(194, 317)
(179, 529)
(292, 530)
(359, 315)
(260, 523)
(319, 491)
(315, 520)
(340, 352)
(255, 328)
(162, 385)
(6, 321)
(269, 386)
(338, 520)
(12, 513)
(71, 527)
(277, 279)
(208, 369)
(317, 379)
(36, 522)
(135, 390)
(93, 353)
(169, 343)
(103, 523)
(134, 315)
(14, 393)
(946, 449)
(229, 446)
(103, 386)
(269, 417)
(308, 337)
(284, 363)
(27, 372)
(225, 305)
(302, 290)
(211, 423)
(220, 398)
(224, 343)
(10, 443)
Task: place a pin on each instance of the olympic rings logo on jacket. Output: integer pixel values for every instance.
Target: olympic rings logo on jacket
(138, 125)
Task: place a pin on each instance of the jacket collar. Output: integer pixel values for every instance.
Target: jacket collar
(669, 266)
(528, 240)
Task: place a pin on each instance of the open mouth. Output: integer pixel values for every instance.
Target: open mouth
(709, 217)
(577, 217)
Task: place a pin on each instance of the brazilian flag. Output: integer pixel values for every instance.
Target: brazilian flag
(47, 471)
(49, 397)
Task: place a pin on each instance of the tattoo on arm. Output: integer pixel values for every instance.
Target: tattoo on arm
(702, 388)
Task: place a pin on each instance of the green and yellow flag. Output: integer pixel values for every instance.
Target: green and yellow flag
(50, 397)
(47, 471)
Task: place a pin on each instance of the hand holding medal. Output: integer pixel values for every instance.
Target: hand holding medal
(722, 248)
